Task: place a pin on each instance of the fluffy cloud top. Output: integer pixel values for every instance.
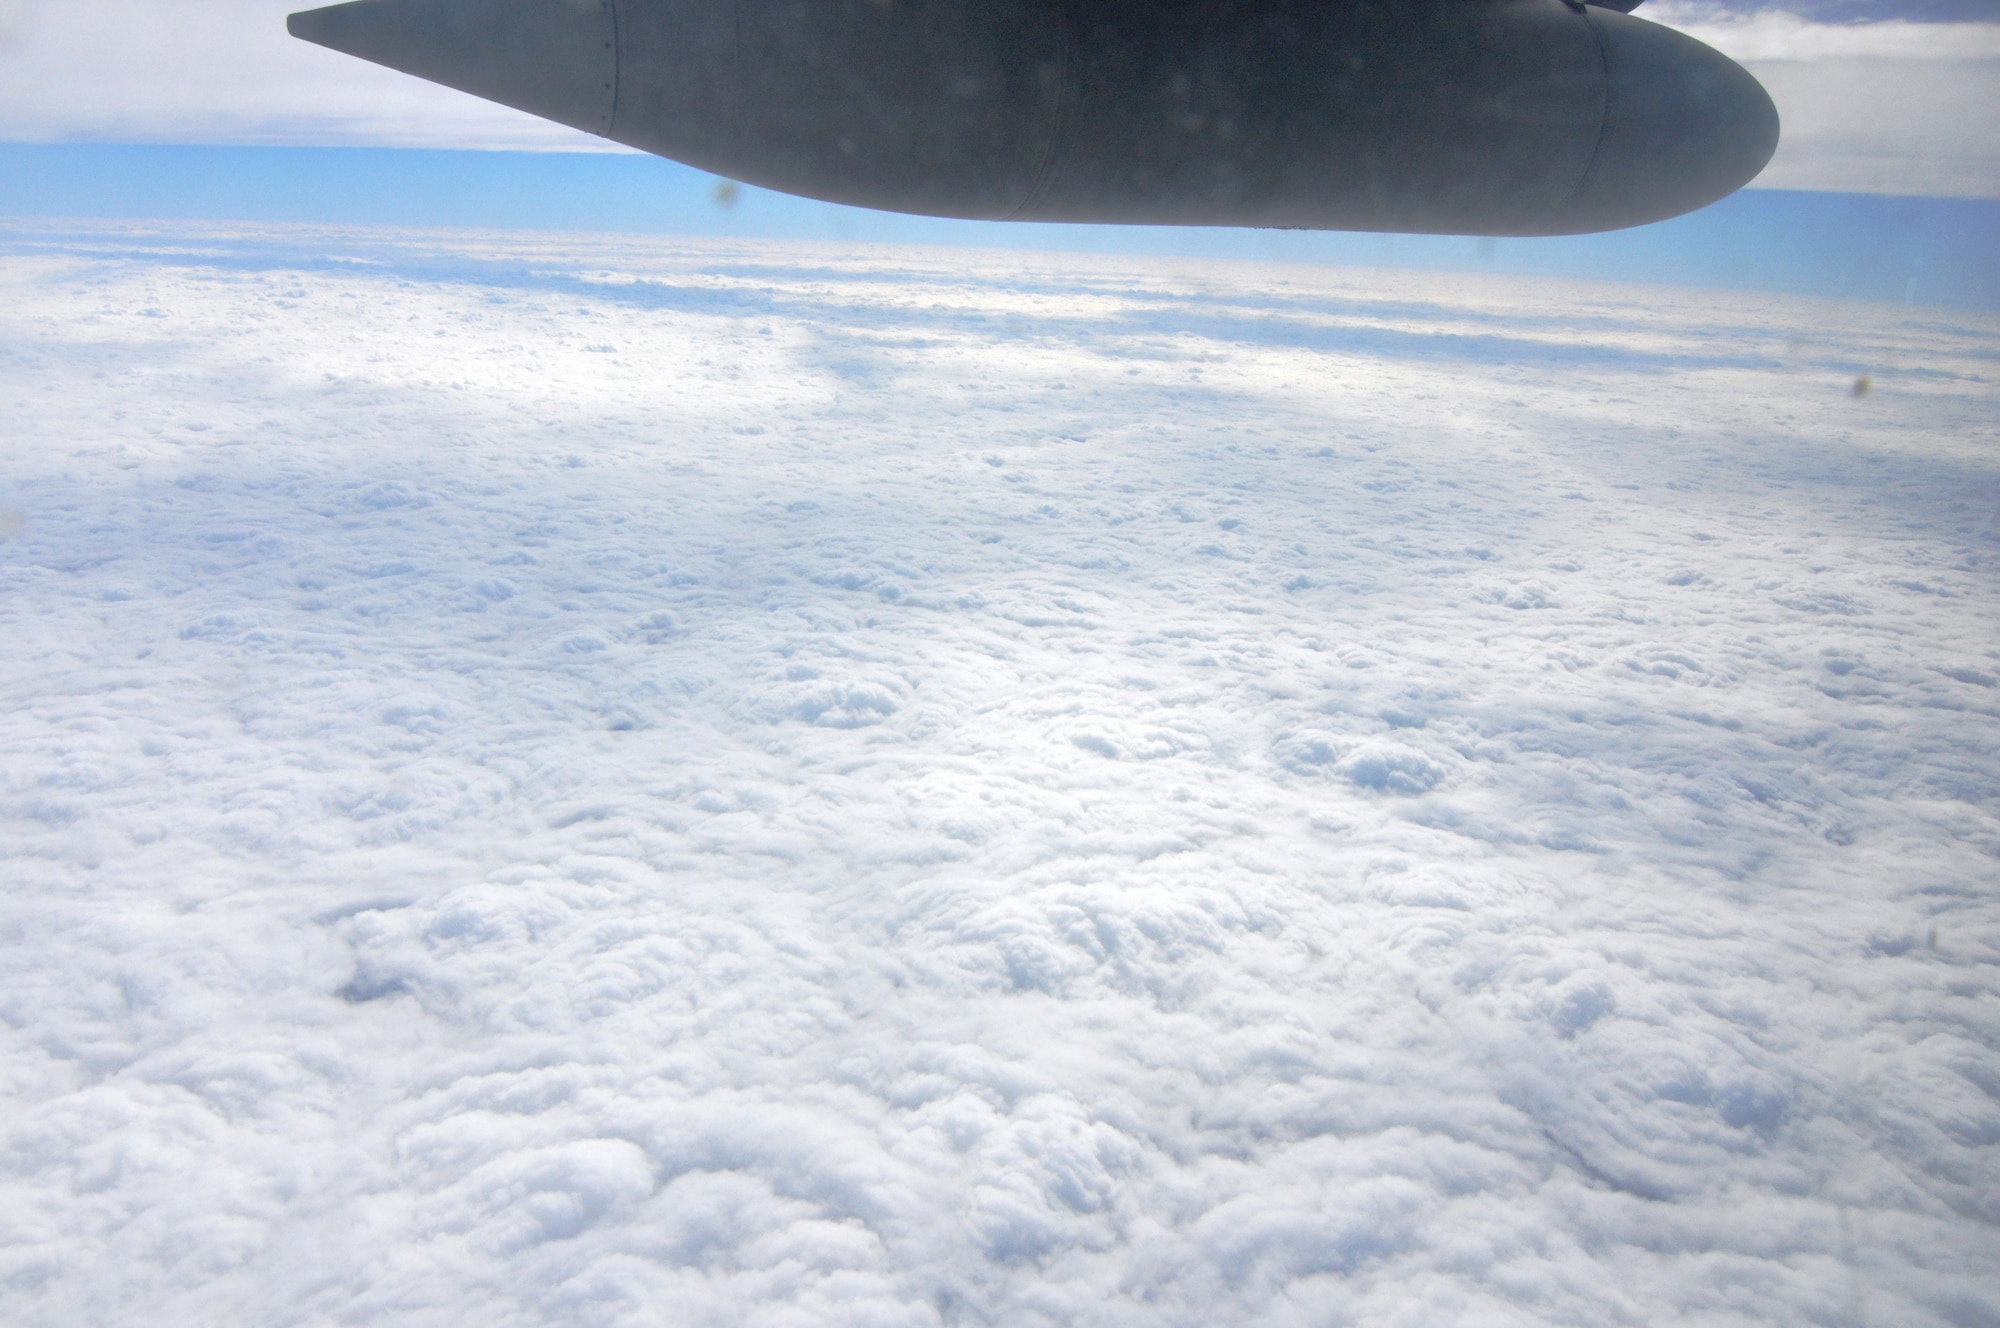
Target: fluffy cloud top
(760, 785)
(1883, 106)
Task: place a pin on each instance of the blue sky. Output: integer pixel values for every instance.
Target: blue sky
(1924, 250)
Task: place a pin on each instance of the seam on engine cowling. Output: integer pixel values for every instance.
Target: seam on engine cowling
(1045, 174)
(611, 116)
(1603, 116)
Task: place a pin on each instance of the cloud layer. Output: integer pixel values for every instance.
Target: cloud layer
(1878, 106)
(756, 784)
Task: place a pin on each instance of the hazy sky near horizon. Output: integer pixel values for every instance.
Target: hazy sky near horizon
(1872, 101)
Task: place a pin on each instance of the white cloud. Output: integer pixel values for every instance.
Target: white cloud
(1774, 36)
(1348, 796)
(17, 20)
(226, 71)
(1886, 126)
(1885, 107)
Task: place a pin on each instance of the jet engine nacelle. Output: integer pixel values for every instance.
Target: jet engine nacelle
(1487, 117)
